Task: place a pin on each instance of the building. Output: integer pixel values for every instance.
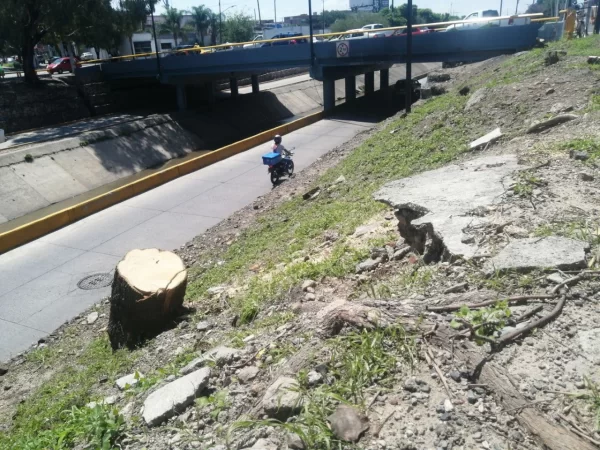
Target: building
(369, 5)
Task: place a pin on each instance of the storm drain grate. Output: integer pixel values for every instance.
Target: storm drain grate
(95, 281)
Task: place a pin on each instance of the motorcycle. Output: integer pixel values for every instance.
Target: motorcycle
(279, 166)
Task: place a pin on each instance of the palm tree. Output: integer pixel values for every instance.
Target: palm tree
(133, 17)
(201, 20)
(213, 20)
(172, 23)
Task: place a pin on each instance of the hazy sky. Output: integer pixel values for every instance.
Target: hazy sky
(294, 7)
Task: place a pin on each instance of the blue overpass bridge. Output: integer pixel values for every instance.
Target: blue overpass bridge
(328, 61)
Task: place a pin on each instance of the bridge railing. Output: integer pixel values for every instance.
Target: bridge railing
(537, 17)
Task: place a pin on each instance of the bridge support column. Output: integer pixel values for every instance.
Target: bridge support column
(369, 83)
(350, 89)
(328, 94)
(210, 92)
(255, 87)
(384, 79)
(181, 97)
(233, 87)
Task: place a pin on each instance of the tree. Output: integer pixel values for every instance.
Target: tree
(541, 6)
(394, 18)
(103, 31)
(172, 23)
(213, 20)
(201, 20)
(357, 20)
(238, 28)
(132, 17)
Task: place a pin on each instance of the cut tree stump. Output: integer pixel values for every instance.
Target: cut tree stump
(147, 293)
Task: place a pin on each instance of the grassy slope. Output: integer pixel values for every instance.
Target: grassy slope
(435, 134)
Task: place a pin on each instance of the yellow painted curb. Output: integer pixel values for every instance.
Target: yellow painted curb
(38, 228)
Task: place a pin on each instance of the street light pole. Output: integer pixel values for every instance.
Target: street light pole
(275, 9)
(323, 16)
(408, 81)
(220, 24)
(310, 26)
(158, 68)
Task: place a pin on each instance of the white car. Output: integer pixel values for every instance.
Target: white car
(254, 43)
(373, 27)
(86, 56)
(352, 34)
(480, 19)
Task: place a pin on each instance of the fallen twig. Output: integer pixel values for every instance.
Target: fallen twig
(528, 314)
(578, 430)
(527, 405)
(380, 427)
(516, 299)
(535, 324)
(431, 361)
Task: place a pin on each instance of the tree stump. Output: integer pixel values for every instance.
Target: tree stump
(147, 292)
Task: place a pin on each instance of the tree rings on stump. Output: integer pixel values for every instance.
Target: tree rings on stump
(147, 292)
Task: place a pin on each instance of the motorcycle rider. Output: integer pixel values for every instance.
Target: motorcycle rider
(279, 148)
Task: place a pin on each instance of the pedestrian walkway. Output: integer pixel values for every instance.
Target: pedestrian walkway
(39, 288)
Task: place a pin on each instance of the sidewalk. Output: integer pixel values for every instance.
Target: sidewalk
(39, 281)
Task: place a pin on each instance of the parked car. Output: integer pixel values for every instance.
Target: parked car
(415, 31)
(254, 43)
(287, 42)
(477, 20)
(352, 34)
(86, 56)
(373, 27)
(61, 65)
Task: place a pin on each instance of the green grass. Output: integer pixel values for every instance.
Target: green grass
(298, 225)
(582, 230)
(589, 144)
(54, 417)
(356, 362)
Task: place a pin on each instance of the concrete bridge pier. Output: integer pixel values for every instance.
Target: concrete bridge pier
(369, 83)
(181, 97)
(233, 87)
(209, 87)
(255, 87)
(384, 79)
(350, 82)
(328, 94)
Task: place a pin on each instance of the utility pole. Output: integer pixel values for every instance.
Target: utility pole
(220, 24)
(323, 16)
(310, 27)
(275, 9)
(408, 81)
(500, 8)
(259, 19)
(516, 8)
(158, 68)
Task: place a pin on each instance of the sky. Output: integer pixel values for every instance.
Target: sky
(295, 7)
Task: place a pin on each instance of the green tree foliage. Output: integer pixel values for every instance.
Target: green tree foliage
(541, 6)
(238, 27)
(201, 20)
(213, 20)
(172, 23)
(358, 20)
(131, 17)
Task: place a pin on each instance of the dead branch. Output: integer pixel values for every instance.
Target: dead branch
(510, 300)
(578, 430)
(535, 324)
(431, 361)
(530, 313)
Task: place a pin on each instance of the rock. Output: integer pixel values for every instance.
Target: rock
(110, 400)
(438, 203)
(127, 411)
(550, 91)
(248, 374)
(92, 317)
(365, 229)
(515, 435)
(312, 194)
(203, 326)
(549, 123)
(170, 378)
(476, 98)
(264, 444)
(593, 60)
(340, 179)
(216, 290)
(425, 92)
(369, 264)
(314, 378)
(455, 375)
(560, 108)
(129, 381)
(579, 156)
(585, 176)
(348, 423)
(531, 253)
(308, 284)
(589, 341)
(3, 370)
(309, 297)
(464, 90)
(580, 384)
(489, 138)
(399, 254)
(456, 288)
(551, 57)
(221, 356)
(555, 278)
(411, 386)
(173, 398)
(472, 397)
(294, 442)
(438, 77)
(282, 400)
(448, 406)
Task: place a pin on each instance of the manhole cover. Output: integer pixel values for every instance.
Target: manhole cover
(95, 281)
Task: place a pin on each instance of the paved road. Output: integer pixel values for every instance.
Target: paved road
(39, 281)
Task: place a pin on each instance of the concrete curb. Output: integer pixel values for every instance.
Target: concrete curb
(38, 228)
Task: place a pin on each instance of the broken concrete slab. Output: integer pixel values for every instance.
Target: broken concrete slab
(129, 381)
(173, 398)
(220, 355)
(433, 208)
(589, 341)
(531, 253)
(489, 138)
